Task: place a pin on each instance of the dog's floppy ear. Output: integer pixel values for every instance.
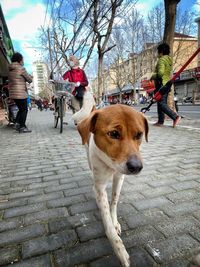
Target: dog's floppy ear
(146, 127)
(87, 126)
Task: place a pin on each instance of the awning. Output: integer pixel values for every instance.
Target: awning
(113, 92)
(127, 88)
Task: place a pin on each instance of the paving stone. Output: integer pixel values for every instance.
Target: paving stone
(163, 179)
(151, 203)
(18, 211)
(65, 201)
(60, 187)
(48, 243)
(55, 177)
(141, 236)
(81, 219)
(196, 234)
(77, 191)
(45, 215)
(185, 185)
(125, 208)
(178, 225)
(176, 263)
(130, 198)
(140, 258)
(158, 191)
(25, 194)
(83, 207)
(171, 248)
(41, 261)
(91, 231)
(181, 208)
(59, 225)
(13, 203)
(45, 197)
(82, 253)
(8, 255)
(6, 191)
(9, 224)
(43, 184)
(110, 261)
(27, 181)
(13, 236)
(147, 217)
(183, 196)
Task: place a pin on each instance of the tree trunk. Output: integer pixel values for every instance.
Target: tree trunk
(100, 79)
(170, 20)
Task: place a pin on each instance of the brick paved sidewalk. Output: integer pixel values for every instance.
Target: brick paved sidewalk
(48, 214)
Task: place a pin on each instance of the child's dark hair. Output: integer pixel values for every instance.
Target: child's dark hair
(16, 57)
(164, 49)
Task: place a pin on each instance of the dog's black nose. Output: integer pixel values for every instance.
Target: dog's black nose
(134, 164)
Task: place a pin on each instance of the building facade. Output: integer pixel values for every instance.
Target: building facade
(41, 73)
(140, 66)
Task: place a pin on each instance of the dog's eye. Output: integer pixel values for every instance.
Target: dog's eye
(138, 136)
(114, 134)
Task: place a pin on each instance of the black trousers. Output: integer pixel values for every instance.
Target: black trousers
(23, 111)
(163, 109)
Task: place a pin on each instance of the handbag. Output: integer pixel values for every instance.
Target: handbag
(79, 91)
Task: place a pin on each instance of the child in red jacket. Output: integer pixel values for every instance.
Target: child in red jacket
(76, 75)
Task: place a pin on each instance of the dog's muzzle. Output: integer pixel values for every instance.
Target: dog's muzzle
(134, 165)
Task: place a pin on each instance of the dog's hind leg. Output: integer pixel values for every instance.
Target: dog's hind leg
(115, 240)
(118, 180)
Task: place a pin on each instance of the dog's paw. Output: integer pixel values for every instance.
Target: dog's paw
(118, 228)
(121, 253)
(124, 258)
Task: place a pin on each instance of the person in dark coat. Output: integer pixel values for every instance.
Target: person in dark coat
(17, 78)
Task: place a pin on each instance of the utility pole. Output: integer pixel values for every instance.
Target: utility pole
(197, 20)
(50, 53)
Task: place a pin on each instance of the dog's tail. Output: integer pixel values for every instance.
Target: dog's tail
(88, 106)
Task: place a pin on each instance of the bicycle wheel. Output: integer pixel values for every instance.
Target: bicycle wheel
(56, 117)
(61, 111)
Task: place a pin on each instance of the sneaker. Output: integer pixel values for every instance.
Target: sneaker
(16, 126)
(24, 130)
(158, 124)
(176, 121)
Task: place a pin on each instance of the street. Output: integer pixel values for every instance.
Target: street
(48, 214)
(189, 111)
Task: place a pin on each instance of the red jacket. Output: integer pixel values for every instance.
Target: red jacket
(76, 75)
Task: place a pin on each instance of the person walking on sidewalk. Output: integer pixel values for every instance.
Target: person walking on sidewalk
(18, 77)
(161, 76)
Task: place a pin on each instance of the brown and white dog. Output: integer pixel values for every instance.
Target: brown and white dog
(112, 137)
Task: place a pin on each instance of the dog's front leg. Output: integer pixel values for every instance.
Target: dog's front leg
(115, 240)
(116, 189)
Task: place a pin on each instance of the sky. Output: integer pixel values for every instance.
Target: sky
(25, 17)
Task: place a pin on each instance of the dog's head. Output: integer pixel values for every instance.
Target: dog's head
(118, 132)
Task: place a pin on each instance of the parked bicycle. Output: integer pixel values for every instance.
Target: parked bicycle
(62, 90)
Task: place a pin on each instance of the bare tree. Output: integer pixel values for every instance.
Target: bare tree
(69, 32)
(104, 14)
(116, 61)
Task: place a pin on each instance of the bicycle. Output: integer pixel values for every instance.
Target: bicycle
(62, 90)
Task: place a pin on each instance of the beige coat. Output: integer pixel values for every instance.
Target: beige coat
(17, 81)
